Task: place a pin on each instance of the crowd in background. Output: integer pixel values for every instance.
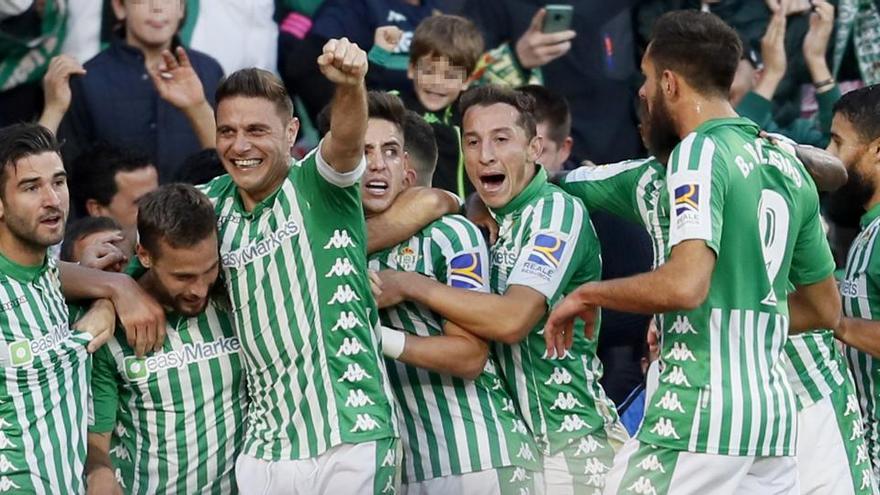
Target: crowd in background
(94, 71)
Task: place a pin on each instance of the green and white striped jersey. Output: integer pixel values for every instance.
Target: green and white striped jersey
(450, 425)
(547, 243)
(860, 290)
(296, 272)
(636, 190)
(723, 388)
(177, 415)
(44, 389)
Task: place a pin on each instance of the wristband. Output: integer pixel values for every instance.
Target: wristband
(393, 342)
(822, 84)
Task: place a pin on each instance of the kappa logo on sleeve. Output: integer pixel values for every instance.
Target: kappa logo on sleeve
(466, 271)
(687, 199)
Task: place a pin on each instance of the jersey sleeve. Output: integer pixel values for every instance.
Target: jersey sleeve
(697, 183)
(611, 188)
(547, 261)
(463, 260)
(323, 185)
(105, 392)
(811, 260)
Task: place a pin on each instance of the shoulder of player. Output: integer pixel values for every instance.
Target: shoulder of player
(453, 228)
(593, 172)
(698, 149)
(218, 187)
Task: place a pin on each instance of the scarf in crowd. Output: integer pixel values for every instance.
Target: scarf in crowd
(25, 59)
(858, 22)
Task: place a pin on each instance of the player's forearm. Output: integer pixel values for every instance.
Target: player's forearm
(411, 212)
(814, 306)
(201, 119)
(51, 118)
(827, 170)
(488, 316)
(78, 282)
(348, 125)
(98, 455)
(647, 293)
(863, 335)
(447, 354)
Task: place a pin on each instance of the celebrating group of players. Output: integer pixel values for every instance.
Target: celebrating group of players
(272, 380)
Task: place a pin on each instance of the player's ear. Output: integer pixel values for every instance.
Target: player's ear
(536, 147)
(143, 256)
(669, 84)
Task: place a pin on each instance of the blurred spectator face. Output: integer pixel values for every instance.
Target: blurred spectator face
(848, 145)
(743, 81)
(184, 276)
(498, 154)
(254, 143)
(437, 83)
(388, 172)
(554, 154)
(149, 23)
(35, 202)
(658, 128)
(130, 186)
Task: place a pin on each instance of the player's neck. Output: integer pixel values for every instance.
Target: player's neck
(19, 251)
(151, 286)
(874, 201)
(696, 110)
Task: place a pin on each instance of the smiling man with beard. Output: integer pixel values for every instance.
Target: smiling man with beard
(734, 218)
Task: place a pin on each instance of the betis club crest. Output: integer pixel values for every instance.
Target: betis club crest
(407, 258)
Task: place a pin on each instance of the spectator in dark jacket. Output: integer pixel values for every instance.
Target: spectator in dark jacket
(117, 102)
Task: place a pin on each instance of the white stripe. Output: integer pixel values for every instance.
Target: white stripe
(780, 384)
(754, 392)
(716, 374)
(591, 173)
(762, 371)
(737, 405)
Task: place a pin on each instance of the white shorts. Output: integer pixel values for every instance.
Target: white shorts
(829, 445)
(512, 480)
(646, 469)
(362, 468)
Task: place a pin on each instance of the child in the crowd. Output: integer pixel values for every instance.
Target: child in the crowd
(117, 99)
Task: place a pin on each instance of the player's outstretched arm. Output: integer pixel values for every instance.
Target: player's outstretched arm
(142, 317)
(456, 352)
(827, 170)
(345, 65)
(100, 477)
(814, 306)
(415, 208)
(682, 283)
(504, 318)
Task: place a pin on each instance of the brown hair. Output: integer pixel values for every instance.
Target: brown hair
(256, 83)
(491, 94)
(178, 214)
(450, 36)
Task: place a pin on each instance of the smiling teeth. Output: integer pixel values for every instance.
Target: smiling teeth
(247, 163)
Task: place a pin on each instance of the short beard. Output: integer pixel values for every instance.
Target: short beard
(660, 135)
(847, 205)
(28, 237)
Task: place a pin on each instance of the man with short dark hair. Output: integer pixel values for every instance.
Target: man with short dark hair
(172, 420)
(743, 226)
(545, 248)
(293, 254)
(435, 368)
(107, 181)
(553, 120)
(421, 146)
(44, 398)
(855, 138)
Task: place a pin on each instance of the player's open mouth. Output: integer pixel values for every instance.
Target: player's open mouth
(376, 187)
(52, 220)
(247, 163)
(492, 182)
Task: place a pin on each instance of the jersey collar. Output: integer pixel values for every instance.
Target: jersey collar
(734, 121)
(870, 215)
(22, 273)
(238, 203)
(532, 190)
